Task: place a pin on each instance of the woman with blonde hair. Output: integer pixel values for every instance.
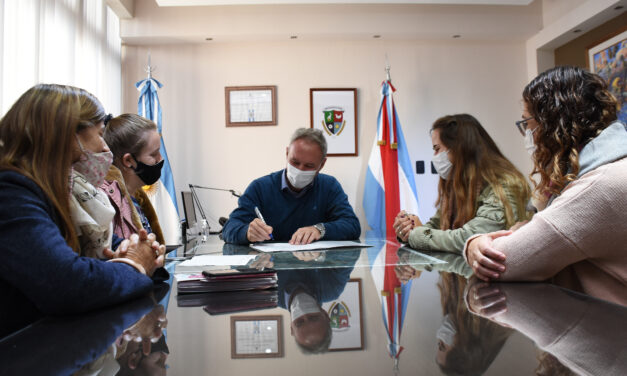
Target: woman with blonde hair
(579, 150)
(137, 161)
(479, 189)
(42, 271)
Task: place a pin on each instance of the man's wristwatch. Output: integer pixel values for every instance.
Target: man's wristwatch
(320, 227)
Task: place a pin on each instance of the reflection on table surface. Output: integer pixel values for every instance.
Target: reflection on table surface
(381, 310)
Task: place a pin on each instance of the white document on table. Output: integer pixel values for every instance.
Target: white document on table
(218, 260)
(323, 244)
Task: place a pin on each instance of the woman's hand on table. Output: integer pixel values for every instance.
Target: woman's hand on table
(486, 262)
(142, 251)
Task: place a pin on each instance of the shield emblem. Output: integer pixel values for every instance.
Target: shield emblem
(339, 316)
(333, 120)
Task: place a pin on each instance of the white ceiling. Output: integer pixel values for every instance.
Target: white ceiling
(173, 3)
(184, 24)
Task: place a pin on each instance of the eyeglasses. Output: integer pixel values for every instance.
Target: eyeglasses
(522, 125)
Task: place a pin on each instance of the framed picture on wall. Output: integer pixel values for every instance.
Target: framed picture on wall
(608, 59)
(334, 111)
(257, 336)
(250, 105)
(346, 318)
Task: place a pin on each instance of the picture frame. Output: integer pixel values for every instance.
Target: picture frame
(250, 105)
(346, 317)
(608, 59)
(334, 111)
(259, 336)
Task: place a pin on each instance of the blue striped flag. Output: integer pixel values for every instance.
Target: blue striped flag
(389, 187)
(162, 194)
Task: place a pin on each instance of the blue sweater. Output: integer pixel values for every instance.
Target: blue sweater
(323, 283)
(39, 273)
(324, 202)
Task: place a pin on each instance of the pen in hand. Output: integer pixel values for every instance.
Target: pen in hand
(258, 213)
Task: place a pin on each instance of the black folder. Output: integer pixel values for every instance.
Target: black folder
(216, 303)
(238, 282)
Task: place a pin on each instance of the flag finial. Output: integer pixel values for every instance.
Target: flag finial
(387, 68)
(149, 68)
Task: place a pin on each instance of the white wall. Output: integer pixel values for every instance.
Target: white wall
(432, 78)
(555, 9)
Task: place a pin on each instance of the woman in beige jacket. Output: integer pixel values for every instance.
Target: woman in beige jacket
(580, 153)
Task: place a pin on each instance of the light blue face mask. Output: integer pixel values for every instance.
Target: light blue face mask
(442, 164)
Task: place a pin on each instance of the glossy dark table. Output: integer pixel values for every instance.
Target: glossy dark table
(586, 335)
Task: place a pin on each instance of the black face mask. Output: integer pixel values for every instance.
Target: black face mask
(149, 174)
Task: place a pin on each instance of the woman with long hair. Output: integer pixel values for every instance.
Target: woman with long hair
(137, 161)
(579, 150)
(42, 271)
(467, 344)
(479, 189)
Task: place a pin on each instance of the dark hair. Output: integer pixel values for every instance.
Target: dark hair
(572, 106)
(477, 163)
(549, 365)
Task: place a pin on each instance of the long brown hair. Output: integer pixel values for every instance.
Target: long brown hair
(477, 163)
(38, 137)
(572, 106)
(478, 341)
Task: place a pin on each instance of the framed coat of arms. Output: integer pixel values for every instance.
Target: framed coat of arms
(345, 314)
(334, 111)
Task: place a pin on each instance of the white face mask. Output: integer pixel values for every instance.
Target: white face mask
(447, 331)
(529, 144)
(93, 166)
(299, 179)
(303, 304)
(442, 164)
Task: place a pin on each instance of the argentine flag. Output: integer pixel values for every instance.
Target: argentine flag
(390, 185)
(162, 194)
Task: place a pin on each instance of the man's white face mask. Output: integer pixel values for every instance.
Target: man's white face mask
(303, 304)
(299, 179)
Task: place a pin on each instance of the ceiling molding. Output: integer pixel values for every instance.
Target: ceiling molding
(124, 9)
(178, 3)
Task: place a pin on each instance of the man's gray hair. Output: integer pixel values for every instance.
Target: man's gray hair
(318, 348)
(312, 135)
